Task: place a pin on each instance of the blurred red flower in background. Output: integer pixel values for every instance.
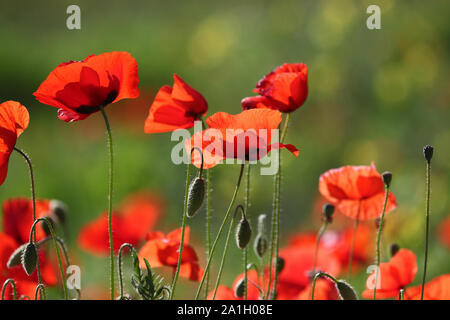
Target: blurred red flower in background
(436, 289)
(79, 88)
(14, 119)
(444, 232)
(131, 223)
(393, 275)
(175, 107)
(284, 89)
(356, 191)
(244, 136)
(325, 290)
(163, 250)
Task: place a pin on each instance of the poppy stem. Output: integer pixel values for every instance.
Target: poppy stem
(401, 294)
(427, 227)
(380, 230)
(55, 243)
(208, 220)
(246, 205)
(275, 233)
(38, 291)
(123, 246)
(316, 250)
(13, 285)
(110, 196)
(33, 199)
(317, 276)
(225, 219)
(183, 228)
(355, 228)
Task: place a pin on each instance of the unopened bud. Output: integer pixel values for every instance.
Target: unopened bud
(195, 196)
(46, 228)
(387, 178)
(29, 258)
(58, 210)
(239, 290)
(394, 249)
(428, 152)
(327, 211)
(260, 245)
(279, 264)
(15, 258)
(346, 291)
(243, 233)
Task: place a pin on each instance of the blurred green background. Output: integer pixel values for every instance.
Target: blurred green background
(375, 95)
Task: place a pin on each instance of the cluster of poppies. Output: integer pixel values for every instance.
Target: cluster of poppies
(308, 267)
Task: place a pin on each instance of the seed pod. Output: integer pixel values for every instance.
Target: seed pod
(260, 245)
(387, 178)
(15, 258)
(428, 152)
(195, 196)
(240, 288)
(279, 265)
(346, 291)
(243, 233)
(58, 210)
(29, 258)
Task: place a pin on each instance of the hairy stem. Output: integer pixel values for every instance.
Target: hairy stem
(317, 276)
(380, 229)
(316, 250)
(427, 227)
(13, 285)
(208, 226)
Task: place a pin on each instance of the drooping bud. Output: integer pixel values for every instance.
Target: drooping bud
(29, 258)
(428, 152)
(243, 233)
(260, 245)
(195, 196)
(279, 264)
(240, 288)
(58, 210)
(394, 249)
(387, 178)
(327, 211)
(46, 228)
(346, 291)
(15, 258)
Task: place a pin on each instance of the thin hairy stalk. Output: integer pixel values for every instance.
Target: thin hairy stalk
(183, 227)
(316, 250)
(401, 294)
(355, 228)
(55, 243)
(317, 276)
(246, 205)
(110, 202)
(33, 198)
(213, 248)
(208, 226)
(38, 291)
(123, 246)
(13, 285)
(275, 236)
(427, 226)
(380, 230)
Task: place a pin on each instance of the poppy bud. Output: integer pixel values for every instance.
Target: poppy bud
(394, 249)
(279, 265)
(346, 291)
(29, 258)
(195, 196)
(387, 178)
(260, 245)
(428, 152)
(46, 228)
(243, 233)
(15, 258)
(240, 288)
(58, 210)
(327, 211)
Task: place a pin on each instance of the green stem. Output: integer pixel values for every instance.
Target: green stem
(13, 285)
(110, 196)
(427, 227)
(401, 294)
(355, 228)
(38, 291)
(275, 236)
(55, 243)
(208, 227)
(316, 250)
(246, 205)
(317, 276)
(380, 229)
(213, 248)
(183, 227)
(123, 246)
(33, 198)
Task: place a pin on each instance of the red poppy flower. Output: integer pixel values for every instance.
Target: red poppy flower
(325, 290)
(176, 107)
(393, 275)
(245, 136)
(18, 218)
(284, 89)
(25, 284)
(444, 232)
(436, 289)
(356, 191)
(79, 88)
(161, 250)
(131, 223)
(14, 119)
